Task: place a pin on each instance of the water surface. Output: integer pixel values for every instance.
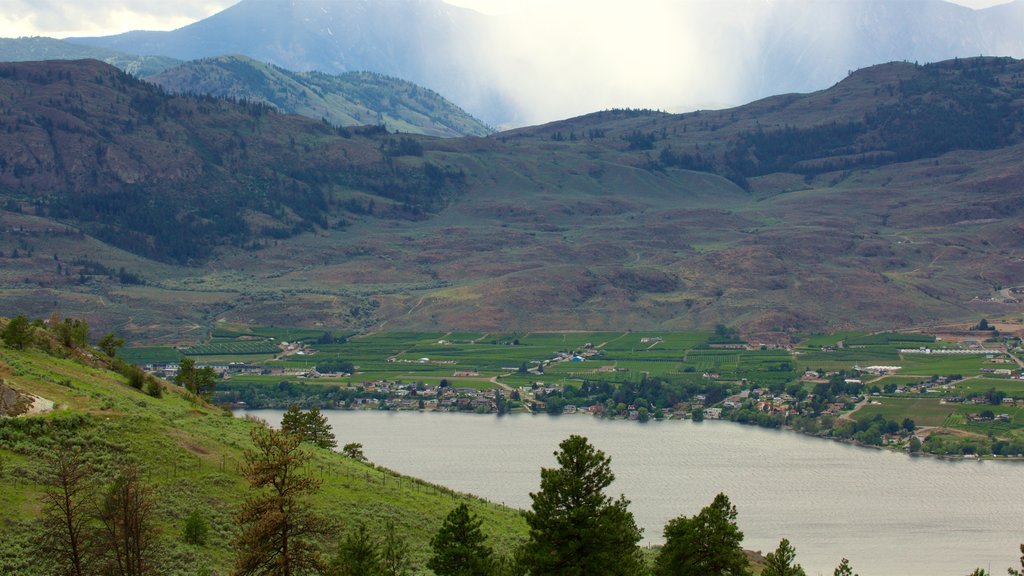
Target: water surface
(890, 514)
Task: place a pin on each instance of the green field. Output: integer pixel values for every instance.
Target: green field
(923, 411)
(676, 356)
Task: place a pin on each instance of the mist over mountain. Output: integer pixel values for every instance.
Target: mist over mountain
(573, 57)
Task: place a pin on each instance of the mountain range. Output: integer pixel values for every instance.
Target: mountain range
(349, 99)
(888, 200)
(560, 59)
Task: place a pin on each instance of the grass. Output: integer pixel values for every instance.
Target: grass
(923, 411)
(191, 454)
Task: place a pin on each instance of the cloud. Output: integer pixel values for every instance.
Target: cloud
(63, 18)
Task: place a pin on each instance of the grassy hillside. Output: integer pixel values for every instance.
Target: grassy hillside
(189, 452)
(351, 99)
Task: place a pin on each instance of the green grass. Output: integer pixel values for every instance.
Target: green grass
(923, 411)
(191, 454)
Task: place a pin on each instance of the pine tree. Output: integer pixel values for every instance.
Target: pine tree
(67, 538)
(357, 555)
(708, 543)
(460, 547)
(279, 529)
(575, 529)
(780, 562)
(843, 569)
(18, 332)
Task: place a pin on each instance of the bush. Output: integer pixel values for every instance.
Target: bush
(196, 529)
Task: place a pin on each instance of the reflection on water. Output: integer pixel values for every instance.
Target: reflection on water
(890, 514)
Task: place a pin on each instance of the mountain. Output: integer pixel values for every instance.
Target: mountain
(353, 98)
(190, 455)
(37, 48)
(172, 177)
(891, 199)
(423, 41)
(555, 60)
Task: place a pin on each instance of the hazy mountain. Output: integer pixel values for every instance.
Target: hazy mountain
(353, 98)
(891, 199)
(567, 58)
(424, 41)
(34, 49)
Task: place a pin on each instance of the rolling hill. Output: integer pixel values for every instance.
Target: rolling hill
(350, 99)
(888, 200)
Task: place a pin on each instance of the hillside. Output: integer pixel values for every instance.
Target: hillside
(35, 49)
(350, 99)
(189, 453)
(172, 177)
(889, 200)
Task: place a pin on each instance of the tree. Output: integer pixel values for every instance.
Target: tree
(843, 569)
(311, 426)
(128, 532)
(357, 555)
(278, 525)
(394, 556)
(110, 343)
(196, 529)
(199, 381)
(354, 450)
(460, 547)
(708, 543)
(18, 333)
(914, 446)
(72, 332)
(67, 538)
(575, 529)
(780, 562)
(1015, 572)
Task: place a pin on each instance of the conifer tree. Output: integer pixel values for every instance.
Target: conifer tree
(575, 529)
(708, 543)
(780, 562)
(128, 532)
(357, 555)
(279, 529)
(460, 547)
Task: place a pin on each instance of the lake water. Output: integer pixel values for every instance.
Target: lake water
(890, 514)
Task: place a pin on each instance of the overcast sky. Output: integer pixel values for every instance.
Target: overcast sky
(63, 18)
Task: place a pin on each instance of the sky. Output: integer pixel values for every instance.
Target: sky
(64, 18)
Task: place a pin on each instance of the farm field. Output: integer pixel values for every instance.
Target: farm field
(923, 411)
(617, 357)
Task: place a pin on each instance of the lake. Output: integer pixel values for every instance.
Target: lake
(890, 514)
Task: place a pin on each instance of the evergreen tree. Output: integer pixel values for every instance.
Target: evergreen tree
(318, 430)
(278, 526)
(780, 562)
(110, 343)
(357, 555)
(708, 543)
(394, 555)
(843, 569)
(18, 332)
(311, 426)
(575, 529)
(196, 529)
(460, 548)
